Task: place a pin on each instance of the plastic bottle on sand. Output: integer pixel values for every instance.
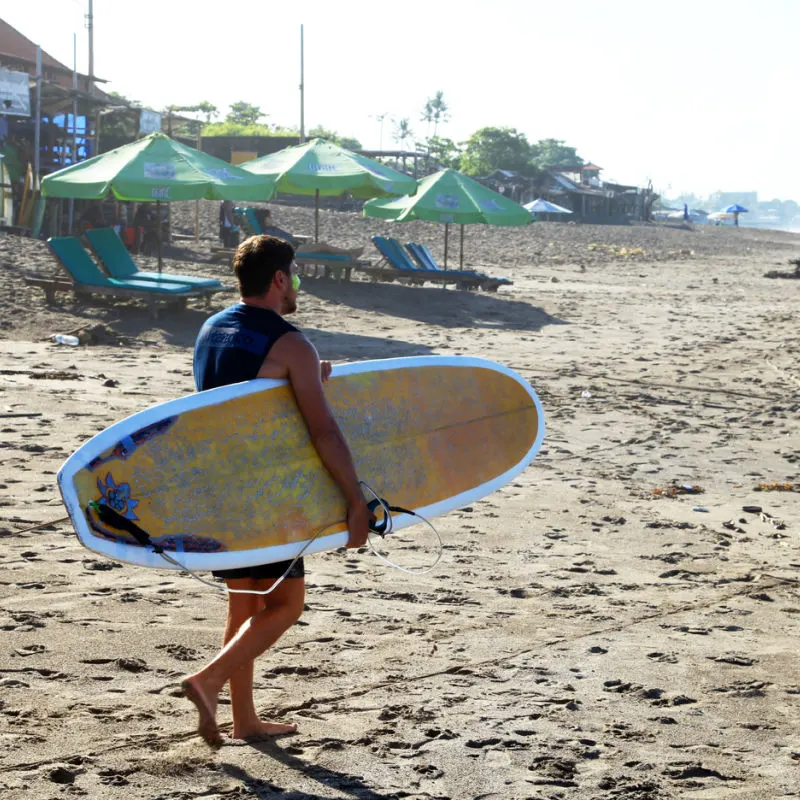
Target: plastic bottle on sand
(65, 338)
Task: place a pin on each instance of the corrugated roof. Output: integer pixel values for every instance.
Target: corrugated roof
(564, 182)
(14, 46)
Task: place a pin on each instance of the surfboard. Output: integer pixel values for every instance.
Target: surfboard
(229, 478)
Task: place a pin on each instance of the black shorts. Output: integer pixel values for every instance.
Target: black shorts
(264, 571)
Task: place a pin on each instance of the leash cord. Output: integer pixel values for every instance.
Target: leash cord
(383, 529)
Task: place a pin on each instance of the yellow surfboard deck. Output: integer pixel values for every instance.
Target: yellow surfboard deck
(229, 477)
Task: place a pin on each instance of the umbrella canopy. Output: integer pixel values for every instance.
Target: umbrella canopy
(448, 196)
(327, 170)
(324, 169)
(736, 209)
(540, 206)
(156, 168)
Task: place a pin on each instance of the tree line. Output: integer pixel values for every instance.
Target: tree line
(486, 150)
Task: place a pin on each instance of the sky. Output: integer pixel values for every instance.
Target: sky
(696, 96)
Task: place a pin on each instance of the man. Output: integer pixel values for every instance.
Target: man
(228, 231)
(248, 340)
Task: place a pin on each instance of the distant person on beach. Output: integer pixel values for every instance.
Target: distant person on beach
(228, 230)
(145, 223)
(92, 217)
(268, 228)
(224, 354)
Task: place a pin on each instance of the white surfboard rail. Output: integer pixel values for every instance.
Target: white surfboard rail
(145, 556)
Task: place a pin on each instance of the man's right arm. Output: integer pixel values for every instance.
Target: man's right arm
(294, 353)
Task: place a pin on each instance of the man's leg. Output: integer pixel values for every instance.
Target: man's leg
(277, 612)
(246, 722)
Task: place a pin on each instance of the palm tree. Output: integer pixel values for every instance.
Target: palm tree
(437, 110)
(427, 116)
(403, 132)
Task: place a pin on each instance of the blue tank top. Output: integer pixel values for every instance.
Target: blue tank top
(232, 345)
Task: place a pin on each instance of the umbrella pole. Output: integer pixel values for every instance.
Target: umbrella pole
(316, 216)
(158, 223)
(446, 232)
(461, 254)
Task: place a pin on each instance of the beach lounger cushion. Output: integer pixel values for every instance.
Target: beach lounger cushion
(424, 257)
(73, 257)
(117, 260)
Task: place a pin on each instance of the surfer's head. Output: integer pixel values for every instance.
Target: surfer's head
(263, 266)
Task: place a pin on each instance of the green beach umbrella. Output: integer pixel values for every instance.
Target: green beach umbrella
(155, 169)
(451, 198)
(324, 169)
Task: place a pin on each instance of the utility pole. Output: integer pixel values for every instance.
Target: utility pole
(74, 155)
(90, 28)
(380, 118)
(37, 131)
(302, 90)
(90, 87)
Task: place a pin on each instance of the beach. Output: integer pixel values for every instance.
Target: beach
(611, 624)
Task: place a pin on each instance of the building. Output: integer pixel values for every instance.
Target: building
(580, 188)
(511, 184)
(69, 104)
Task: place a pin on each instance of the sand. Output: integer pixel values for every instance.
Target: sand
(589, 633)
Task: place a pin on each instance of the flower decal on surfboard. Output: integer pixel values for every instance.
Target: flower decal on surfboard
(117, 496)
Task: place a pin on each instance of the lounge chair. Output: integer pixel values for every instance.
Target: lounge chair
(251, 222)
(396, 255)
(340, 266)
(117, 260)
(423, 256)
(86, 278)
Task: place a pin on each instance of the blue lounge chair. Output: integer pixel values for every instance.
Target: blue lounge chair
(393, 252)
(252, 221)
(399, 258)
(86, 279)
(78, 263)
(425, 259)
(423, 256)
(117, 260)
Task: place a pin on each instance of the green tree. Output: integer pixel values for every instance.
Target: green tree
(348, 142)
(553, 152)
(492, 148)
(436, 111)
(120, 99)
(402, 132)
(442, 151)
(208, 110)
(117, 120)
(244, 114)
(239, 129)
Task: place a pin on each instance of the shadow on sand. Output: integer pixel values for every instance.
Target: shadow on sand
(447, 308)
(180, 328)
(352, 785)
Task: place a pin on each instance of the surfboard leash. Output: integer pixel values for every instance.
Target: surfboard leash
(386, 526)
(382, 528)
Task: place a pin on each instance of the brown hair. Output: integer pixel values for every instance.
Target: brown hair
(256, 261)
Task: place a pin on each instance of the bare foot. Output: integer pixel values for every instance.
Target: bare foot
(262, 730)
(207, 710)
